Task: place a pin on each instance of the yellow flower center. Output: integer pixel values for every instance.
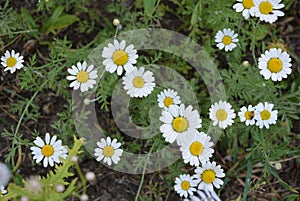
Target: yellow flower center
(108, 151)
(226, 40)
(11, 62)
(208, 176)
(221, 114)
(249, 115)
(185, 185)
(47, 150)
(180, 124)
(196, 148)
(120, 57)
(265, 7)
(274, 65)
(138, 82)
(248, 4)
(265, 115)
(168, 101)
(82, 77)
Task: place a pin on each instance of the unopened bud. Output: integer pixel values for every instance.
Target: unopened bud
(86, 101)
(278, 166)
(84, 197)
(74, 159)
(24, 198)
(116, 22)
(90, 176)
(60, 188)
(245, 63)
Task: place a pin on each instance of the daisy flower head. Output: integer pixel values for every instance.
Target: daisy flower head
(4, 174)
(209, 175)
(264, 115)
(247, 6)
(138, 82)
(221, 113)
(198, 150)
(83, 76)
(118, 56)
(12, 61)
(2, 190)
(226, 39)
(247, 115)
(180, 123)
(108, 150)
(51, 150)
(168, 97)
(267, 10)
(275, 64)
(185, 185)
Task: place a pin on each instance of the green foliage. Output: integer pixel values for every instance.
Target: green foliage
(48, 184)
(66, 32)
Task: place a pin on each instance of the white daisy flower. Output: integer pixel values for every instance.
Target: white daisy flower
(226, 39)
(222, 114)
(180, 124)
(185, 185)
(168, 97)
(108, 150)
(118, 56)
(247, 6)
(83, 76)
(247, 115)
(267, 11)
(198, 150)
(208, 176)
(275, 64)
(264, 115)
(12, 61)
(50, 150)
(138, 83)
(4, 174)
(2, 190)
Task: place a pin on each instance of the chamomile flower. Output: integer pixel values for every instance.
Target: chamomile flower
(4, 174)
(264, 115)
(275, 64)
(2, 190)
(83, 76)
(139, 83)
(222, 114)
(198, 150)
(209, 175)
(168, 97)
(12, 61)
(118, 56)
(226, 39)
(247, 6)
(108, 150)
(247, 115)
(180, 124)
(185, 185)
(51, 150)
(267, 10)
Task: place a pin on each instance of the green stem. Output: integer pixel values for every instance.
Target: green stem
(143, 175)
(22, 116)
(81, 177)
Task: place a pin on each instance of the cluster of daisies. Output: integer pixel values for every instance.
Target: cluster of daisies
(266, 10)
(274, 64)
(181, 124)
(222, 114)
